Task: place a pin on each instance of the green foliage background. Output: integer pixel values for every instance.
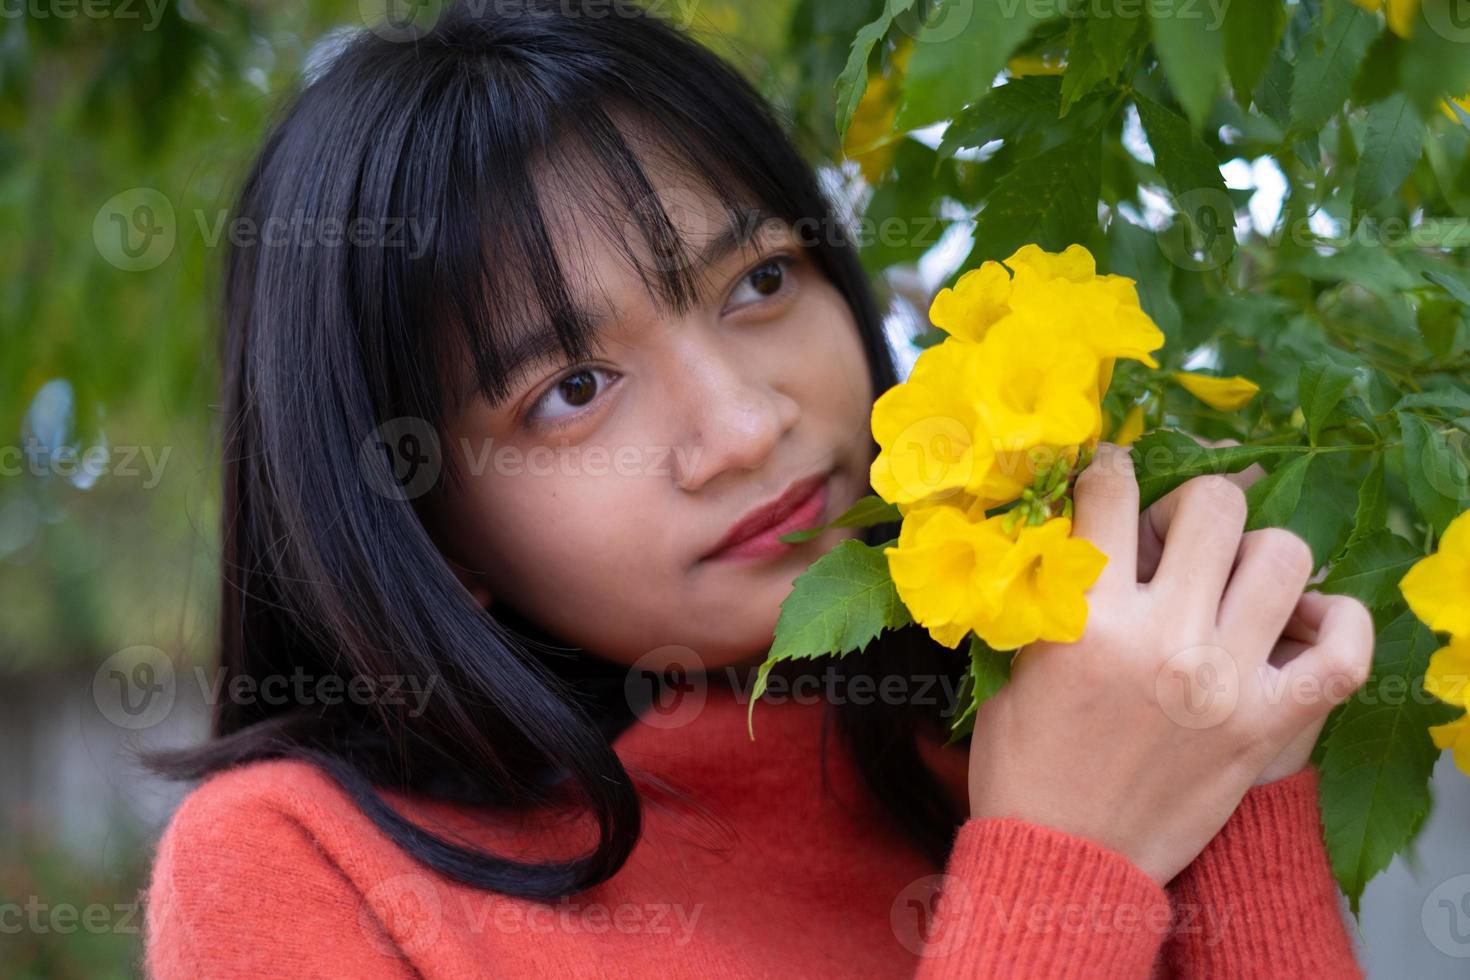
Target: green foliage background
(1106, 123)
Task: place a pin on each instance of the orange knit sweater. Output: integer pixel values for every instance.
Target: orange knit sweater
(752, 868)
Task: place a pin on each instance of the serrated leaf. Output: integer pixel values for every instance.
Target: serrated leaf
(853, 80)
(1321, 385)
(1324, 514)
(1371, 568)
(1191, 52)
(1378, 759)
(1328, 60)
(1391, 147)
(1180, 157)
(1252, 30)
(1372, 509)
(1049, 200)
(838, 605)
(951, 68)
(868, 511)
(1273, 500)
(1100, 47)
(1007, 111)
(1166, 458)
(988, 672)
(1437, 476)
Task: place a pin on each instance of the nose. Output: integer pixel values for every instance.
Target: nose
(735, 412)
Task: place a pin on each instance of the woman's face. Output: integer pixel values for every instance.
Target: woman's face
(592, 498)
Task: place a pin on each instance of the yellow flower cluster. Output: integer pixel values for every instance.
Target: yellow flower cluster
(1438, 591)
(1000, 413)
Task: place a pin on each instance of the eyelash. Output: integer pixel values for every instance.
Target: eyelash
(785, 260)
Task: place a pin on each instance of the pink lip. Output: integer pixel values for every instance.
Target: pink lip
(756, 534)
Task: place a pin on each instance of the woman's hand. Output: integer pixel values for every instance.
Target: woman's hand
(1145, 734)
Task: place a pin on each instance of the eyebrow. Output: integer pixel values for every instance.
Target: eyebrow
(541, 344)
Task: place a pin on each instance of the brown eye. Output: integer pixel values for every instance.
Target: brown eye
(766, 281)
(578, 388)
(574, 391)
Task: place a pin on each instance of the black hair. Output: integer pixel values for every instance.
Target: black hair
(436, 137)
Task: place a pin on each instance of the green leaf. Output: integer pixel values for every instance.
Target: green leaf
(1100, 47)
(1191, 53)
(1375, 269)
(1453, 285)
(988, 673)
(1181, 157)
(951, 68)
(853, 81)
(1273, 500)
(839, 604)
(868, 511)
(1378, 759)
(1452, 400)
(1252, 30)
(1394, 140)
(1437, 476)
(1328, 60)
(1166, 458)
(1372, 509)
(1371, 568)
(1007, 111)
(1049, 200)
(1324, 514)
(1321, 386)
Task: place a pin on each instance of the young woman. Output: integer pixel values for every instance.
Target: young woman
(523, 437)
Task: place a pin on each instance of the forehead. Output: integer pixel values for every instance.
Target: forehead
(591, 246)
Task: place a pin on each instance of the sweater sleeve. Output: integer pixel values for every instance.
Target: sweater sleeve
(247, 893)
(1019, 899)
(1260, 900)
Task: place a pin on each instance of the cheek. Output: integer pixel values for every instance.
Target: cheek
(836, 380)
(576, 553)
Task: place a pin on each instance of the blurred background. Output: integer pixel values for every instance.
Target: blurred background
(124, 127)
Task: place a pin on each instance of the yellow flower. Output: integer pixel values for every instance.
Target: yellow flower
(977, 300)
(1130, 428)
(1224, 394)
(870, 138)
(1046, 63)
(1463, 102)
(957, 574)
(928, 429)
(1438, 587)
(942, 550)
(1399, 13)
(1037, 391)
(1455, 735)
(1448, 676)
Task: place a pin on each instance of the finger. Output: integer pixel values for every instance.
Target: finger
(1105, 508)
(1200, 524)
(1150, 534)
(1327, 672)
(1264, 590)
